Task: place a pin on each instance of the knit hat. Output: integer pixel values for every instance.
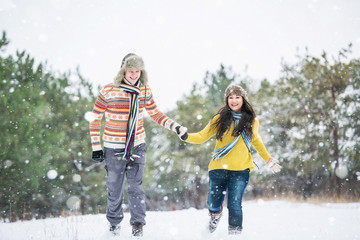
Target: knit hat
(234, 89)
(131, 62)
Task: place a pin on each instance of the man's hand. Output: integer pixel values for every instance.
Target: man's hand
(98, 156)
(182, 132)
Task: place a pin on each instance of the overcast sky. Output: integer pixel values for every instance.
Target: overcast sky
(178, 40)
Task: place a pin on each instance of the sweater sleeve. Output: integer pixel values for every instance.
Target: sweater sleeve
(203, 135)
(256, 141)
(95, 123)
(156, 115)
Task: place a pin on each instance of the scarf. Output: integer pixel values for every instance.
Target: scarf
(134, 91)
(223, 152)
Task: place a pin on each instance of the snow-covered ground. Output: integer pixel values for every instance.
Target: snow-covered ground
(263, 220)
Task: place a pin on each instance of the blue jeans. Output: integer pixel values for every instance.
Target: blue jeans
(233, 183)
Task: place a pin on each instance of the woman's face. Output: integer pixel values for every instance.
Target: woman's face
(235, 102)
(132, 75)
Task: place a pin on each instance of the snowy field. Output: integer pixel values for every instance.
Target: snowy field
(262, 220)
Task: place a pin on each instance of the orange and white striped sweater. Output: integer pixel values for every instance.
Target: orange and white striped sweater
(115, 104)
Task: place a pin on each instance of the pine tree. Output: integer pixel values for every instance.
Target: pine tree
(44, 134)
(311, 117)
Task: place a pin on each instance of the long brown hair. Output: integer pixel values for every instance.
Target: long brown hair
(222, 124)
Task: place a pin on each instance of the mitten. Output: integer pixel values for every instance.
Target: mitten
(98, 156)
(182, 132)
(274, 165)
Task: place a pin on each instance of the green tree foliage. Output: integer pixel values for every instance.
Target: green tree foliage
(43, 129)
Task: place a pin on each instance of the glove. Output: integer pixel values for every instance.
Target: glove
(182, 132)
(98, 156)
(274, 165)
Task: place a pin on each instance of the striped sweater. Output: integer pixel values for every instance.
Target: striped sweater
(115, 104)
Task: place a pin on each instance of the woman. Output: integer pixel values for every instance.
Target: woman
(236, 129)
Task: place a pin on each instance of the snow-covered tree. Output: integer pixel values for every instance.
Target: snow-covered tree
(315, 122)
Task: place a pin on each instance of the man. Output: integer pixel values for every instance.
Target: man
(123, 102)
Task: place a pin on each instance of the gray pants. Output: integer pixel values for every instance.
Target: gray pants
(115, 178)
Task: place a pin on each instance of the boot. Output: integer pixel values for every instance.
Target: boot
(214, 220)
(115, 229)
(235, 230)
(137, 230)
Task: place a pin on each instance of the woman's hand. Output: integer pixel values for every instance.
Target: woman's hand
(274, 165)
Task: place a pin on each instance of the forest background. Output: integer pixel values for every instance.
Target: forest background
(309, 120)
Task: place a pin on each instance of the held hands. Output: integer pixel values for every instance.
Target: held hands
(274, 165)
(98, 156)
(181, 132)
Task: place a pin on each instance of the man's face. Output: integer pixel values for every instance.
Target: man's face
(132, 75)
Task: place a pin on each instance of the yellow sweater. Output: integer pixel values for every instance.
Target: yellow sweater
(239, 158)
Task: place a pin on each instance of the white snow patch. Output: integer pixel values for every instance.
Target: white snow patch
(262, 220)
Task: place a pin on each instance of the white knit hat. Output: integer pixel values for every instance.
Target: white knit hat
(234, 89)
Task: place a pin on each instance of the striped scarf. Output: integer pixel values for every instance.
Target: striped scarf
(134, 91)
(222, 152)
